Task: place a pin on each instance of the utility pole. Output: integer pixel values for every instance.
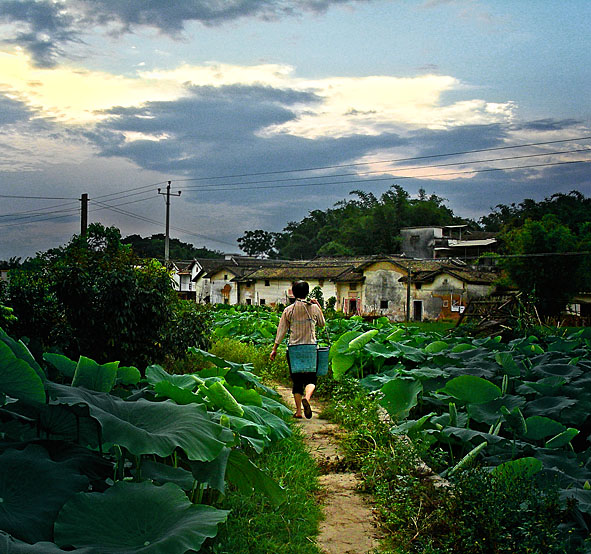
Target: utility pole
(408, 280)
(84, 213)
(167, 236)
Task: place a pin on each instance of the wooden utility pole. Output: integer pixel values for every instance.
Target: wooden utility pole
(167, 235)
(84, 213)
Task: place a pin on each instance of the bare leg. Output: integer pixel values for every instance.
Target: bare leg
(306, 400)
(308, 391)
(298, 402)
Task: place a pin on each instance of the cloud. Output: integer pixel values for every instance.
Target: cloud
(45, 27)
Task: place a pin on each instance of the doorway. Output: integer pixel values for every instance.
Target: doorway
(417, 309)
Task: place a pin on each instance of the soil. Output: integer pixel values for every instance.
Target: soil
(348, 527)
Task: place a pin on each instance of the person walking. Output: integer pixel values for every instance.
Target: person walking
(300, 319)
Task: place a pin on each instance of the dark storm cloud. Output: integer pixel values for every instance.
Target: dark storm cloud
(548, 125)
(217, 130)
(45, 27)
(42, 28)
(12, 111)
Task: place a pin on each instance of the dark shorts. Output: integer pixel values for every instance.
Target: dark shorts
(301, 379)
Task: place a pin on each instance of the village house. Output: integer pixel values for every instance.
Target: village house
(371, 286)
(450, 241)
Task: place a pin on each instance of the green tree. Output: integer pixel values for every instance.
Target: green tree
(95, 297)
(540, 268)
(258, 243)
(153, 247)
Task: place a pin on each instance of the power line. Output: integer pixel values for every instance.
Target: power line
(390, 178)
(408, 168)
(37, 197)
(413, 158)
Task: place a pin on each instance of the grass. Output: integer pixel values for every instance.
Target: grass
(476, 513)
(257, 527)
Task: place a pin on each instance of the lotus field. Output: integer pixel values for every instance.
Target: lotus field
(520, 406)
(98, 458)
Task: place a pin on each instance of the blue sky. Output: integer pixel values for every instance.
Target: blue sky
(114, 99)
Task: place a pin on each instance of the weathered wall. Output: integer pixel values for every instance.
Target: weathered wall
(418, 242)
(220, 282)
(382, 283)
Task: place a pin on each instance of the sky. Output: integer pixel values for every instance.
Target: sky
(258, 112)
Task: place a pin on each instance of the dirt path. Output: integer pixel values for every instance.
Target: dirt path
(348, 525)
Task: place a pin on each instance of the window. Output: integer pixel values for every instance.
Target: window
(383, 304)
(225, 276)
(414, 239)
(226, 300)
(446, 303)
(267, 283)
(320, 282)
(262, 301)
(352, 286)
(249, 301)
(418, 286)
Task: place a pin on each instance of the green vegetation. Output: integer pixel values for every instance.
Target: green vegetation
(95, 297)
(153, 247)
(94, 457)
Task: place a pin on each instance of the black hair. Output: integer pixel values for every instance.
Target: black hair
(300, 289)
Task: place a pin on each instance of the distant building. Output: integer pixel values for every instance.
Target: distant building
(450, 241)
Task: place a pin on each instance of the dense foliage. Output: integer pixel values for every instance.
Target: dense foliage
(94, 296)
(153, 247)
(366, 225)
(95, 459)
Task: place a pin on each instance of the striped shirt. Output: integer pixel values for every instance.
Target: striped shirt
(300, 318)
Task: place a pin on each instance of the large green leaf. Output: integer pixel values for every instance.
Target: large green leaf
(471, 389)
(9, 545)
(128, 375)
(137, 517)
(548, 405)
(436, 346)
(359, 342)
(523, 467)
(161, 473)
(245, 396)
(540, 427)
(212, 474)
(247, 477)
(62, 363)
(562, 439)
(400, 396)
(145, 427)
(33, 488)
(506, 361)
(18, 379)
(340, 364)
(20, 350)
(489, 412)
(180, 395)
(155, 374)
(93, 376)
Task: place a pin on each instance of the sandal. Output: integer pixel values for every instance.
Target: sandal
(307, 409)
(297, 416)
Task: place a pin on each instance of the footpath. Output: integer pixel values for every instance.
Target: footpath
(348, 524)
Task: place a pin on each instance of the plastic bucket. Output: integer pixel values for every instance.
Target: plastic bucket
(322, 360)
(302, 358)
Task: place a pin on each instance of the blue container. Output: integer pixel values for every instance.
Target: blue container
(322, 360)
(302, 358)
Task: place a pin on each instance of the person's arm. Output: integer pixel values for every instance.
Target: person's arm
(281, 332)
(319, 315)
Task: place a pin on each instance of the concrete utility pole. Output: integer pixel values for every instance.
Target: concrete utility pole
(408, 281)
(167, 236)
(84, 213)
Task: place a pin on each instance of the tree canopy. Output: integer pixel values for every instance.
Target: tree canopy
(153, 247)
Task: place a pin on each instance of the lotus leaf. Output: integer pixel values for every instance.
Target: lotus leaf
(522, 467)
(62, 363)
(94, 376)
(506, 361)
(155, 374)
(563, 438)
(275, 407)
(583, 498)
(548, 404)
(33, 488)
(540, 427)
(137, 517)
(341, 345)
(462, 347)
(18, 379)
(128, 375)
(212, 474)
(400, 396)
(565, 371)
(436, 346)
(220, 398)
(278, 429)
(471, 389)
(20, 350)
(180, 395)
(340, 364)
(161, 473)
(9, 545)
(245, 396)
(247, 477)
(381, 350)
(145, 427)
